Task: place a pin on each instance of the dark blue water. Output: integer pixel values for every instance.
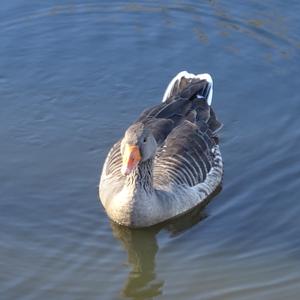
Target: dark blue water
(73, 75)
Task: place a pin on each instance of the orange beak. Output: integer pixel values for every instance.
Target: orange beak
(131, 158)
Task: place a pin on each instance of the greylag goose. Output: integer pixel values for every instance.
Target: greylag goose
(168, 160)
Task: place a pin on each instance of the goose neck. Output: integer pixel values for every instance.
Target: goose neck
(142, 177)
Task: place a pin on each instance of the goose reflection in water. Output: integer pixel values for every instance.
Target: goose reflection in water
(142, 246)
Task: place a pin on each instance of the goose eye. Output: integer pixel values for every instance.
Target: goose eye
(144, 140)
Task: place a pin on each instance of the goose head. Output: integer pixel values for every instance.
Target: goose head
(138, 145)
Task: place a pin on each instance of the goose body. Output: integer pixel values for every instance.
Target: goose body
(169, 159)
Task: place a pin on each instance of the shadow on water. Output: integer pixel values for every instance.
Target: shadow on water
(141, 246)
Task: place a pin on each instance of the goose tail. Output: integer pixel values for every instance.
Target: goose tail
(190, 86)
(181, 82)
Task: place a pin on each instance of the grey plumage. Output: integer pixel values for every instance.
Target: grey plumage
(186, 154)
(180, 159)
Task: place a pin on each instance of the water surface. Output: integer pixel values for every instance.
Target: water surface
(73, 75)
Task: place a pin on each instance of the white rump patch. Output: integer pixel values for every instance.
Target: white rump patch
(185, 74)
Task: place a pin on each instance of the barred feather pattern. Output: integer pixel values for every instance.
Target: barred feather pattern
(186, 157)
(114, 161)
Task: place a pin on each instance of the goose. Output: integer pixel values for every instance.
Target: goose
(168, 160)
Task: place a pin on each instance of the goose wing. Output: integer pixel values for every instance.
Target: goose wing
(185, 105)
(186, 156)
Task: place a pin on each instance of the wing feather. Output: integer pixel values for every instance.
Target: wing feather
(114, 161)
(186, 156)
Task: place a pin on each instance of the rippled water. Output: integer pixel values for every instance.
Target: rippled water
(73, 75)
